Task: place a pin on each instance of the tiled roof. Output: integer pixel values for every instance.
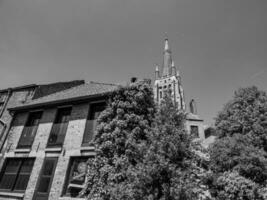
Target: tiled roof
(84, 90)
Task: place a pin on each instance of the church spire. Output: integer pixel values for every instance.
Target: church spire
(167, 59)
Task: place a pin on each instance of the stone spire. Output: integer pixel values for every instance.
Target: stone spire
(157, 76)
(167, 59)
(173, 69)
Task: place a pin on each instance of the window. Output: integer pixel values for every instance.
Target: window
(160, 94)
(30, 129)
(194, 131)
(15, 174)
(59, 128)
(76, 176)
(45, 179)
(94, 112)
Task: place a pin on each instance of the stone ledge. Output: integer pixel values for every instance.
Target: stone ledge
(12, 194)
(56, 149)
(22, 150)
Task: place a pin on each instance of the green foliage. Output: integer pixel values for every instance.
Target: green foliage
(121, 138)
(165, 170)
(238, 158)
(232, 186)
(246, 114)
(236, 153)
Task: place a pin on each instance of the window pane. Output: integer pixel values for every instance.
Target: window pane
(29, 130)
(44, 184)
(48, 167)
(59, 128)
(22, 182)
(76, 176)
(95, 110)
(27, 166)
(7, 181)
(194, 130)
(12, 165)
(89, 131)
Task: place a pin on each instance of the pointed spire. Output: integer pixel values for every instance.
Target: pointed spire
(166, 46)
(166, 59)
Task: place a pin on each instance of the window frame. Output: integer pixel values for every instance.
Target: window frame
(40, 176)
(86, 143)
(191, 130)
(70, 170)
(55, 123)
(30, 114)
(17, 174)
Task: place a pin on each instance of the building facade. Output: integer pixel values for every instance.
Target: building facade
(48, 143)
(168, 80)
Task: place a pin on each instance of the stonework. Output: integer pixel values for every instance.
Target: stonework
(168, 80)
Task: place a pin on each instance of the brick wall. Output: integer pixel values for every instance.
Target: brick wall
(71, 147)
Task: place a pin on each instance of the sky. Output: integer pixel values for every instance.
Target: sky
(218, 45)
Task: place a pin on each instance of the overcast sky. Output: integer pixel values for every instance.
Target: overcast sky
(219, 45)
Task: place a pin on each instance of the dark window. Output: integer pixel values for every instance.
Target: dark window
(15, 174)
(59, 128)
(194, 131)
(45, 179)
(76, 176)
(30, 129)
(160, 94)
(94, 112)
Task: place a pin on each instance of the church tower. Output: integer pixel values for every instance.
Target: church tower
(167, 79)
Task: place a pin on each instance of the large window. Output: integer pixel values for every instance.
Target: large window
(15, 174)
(29, 130)
(59, 128)
(76, 176)
(194, 131)
(94, 112)
(45, 179)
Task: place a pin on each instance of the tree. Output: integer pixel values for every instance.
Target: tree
(238, 158)
(120, 140)
(245, 114)
(164, 172)
(236, 153)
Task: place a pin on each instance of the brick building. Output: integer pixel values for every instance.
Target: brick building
(47, 144)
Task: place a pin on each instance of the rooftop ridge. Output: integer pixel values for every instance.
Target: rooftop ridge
(95, 82)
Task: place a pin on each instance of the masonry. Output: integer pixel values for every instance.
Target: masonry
(48, 143)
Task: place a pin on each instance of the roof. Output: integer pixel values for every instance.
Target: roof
(19, 88)
(80, 92)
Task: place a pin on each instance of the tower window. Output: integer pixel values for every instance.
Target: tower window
(160, 94)
(194, 131)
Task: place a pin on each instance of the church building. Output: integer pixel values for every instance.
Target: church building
(168, 79)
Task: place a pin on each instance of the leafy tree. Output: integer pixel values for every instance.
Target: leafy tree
(238, 158)
(164, 172)
(232, 186)
(236, 153)
(120, 140)
(245, 114)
